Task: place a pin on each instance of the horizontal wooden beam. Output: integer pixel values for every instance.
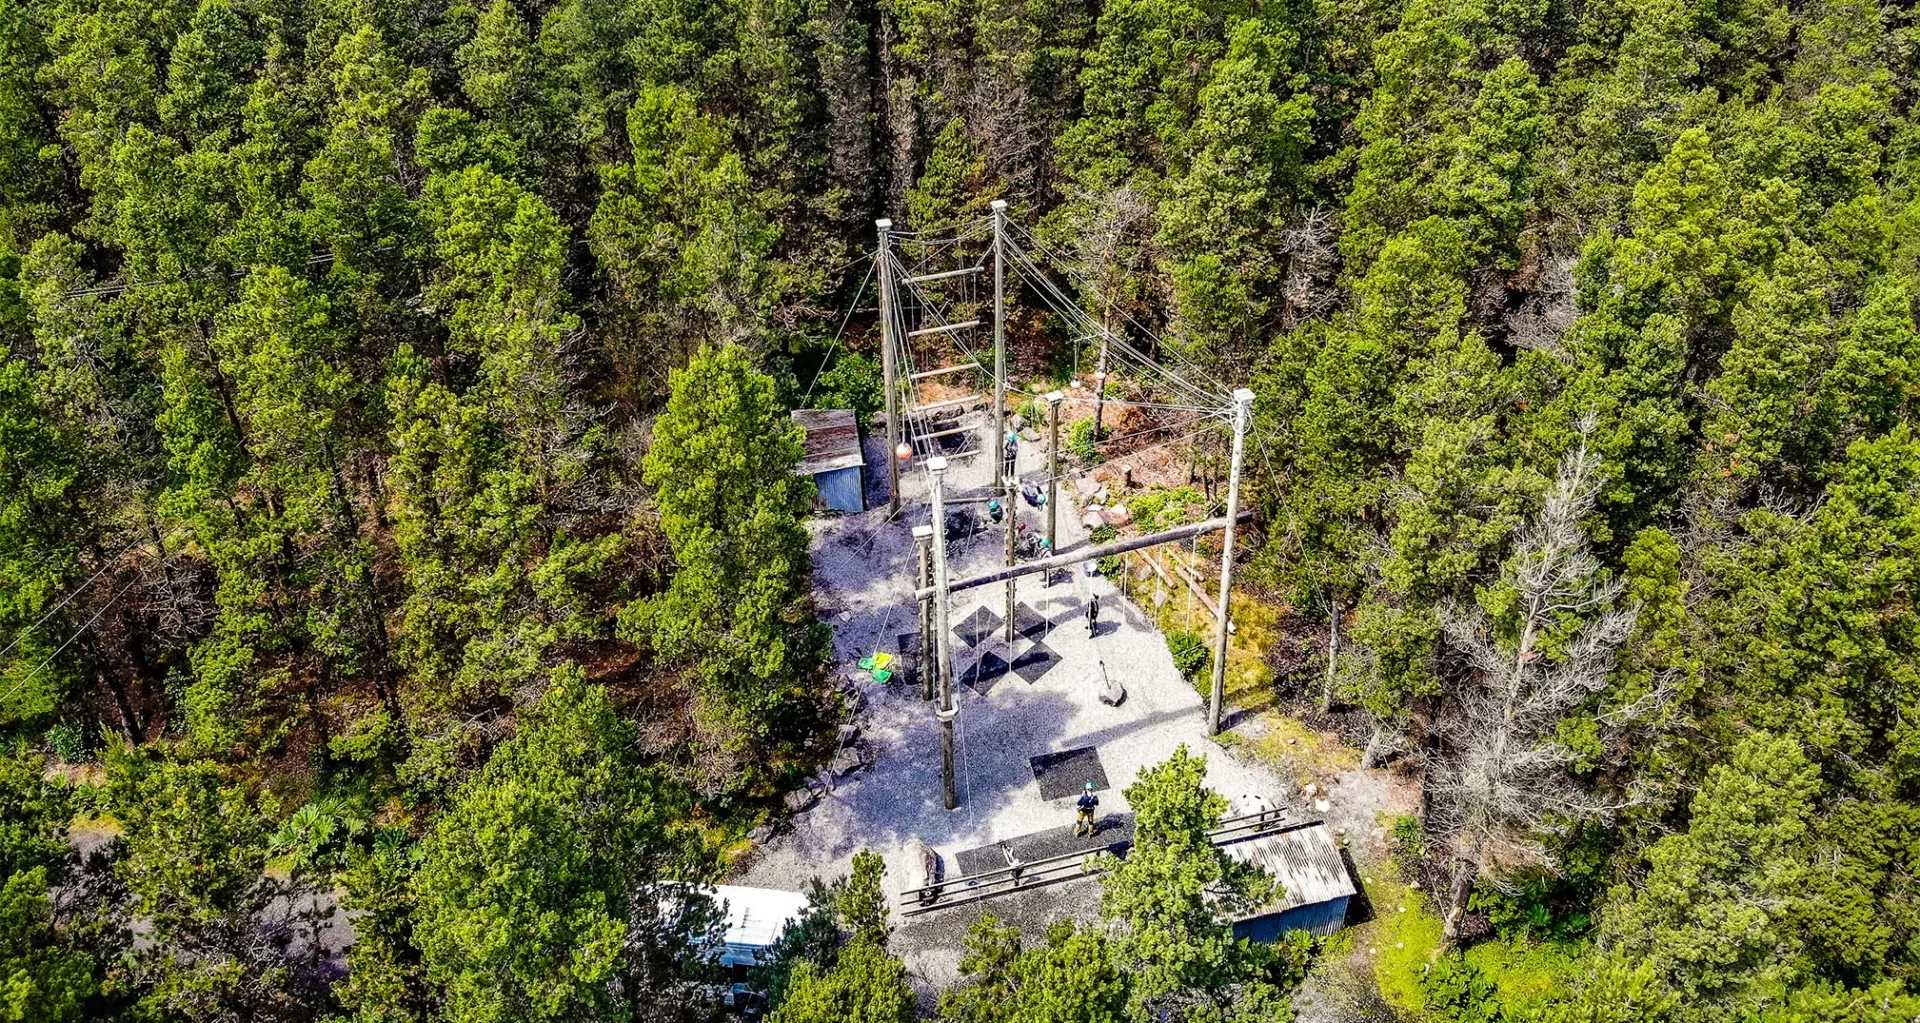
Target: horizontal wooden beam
(942, 371)
(1085, 554)
(943, 433)
(949, 403)
(943, 275)
(944, 328)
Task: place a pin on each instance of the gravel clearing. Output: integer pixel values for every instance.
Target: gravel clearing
(863, 567)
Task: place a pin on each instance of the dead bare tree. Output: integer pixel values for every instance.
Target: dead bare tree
(1309, 245)
(1501, 779)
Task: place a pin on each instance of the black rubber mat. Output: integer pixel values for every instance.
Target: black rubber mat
(982, 675)
(1067, 772)
(982, 624)
(1030, 623)
(1036, 662)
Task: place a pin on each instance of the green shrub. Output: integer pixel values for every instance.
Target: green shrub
(1112, 565)
(1190, 653)
(1407, 843)
(69, 742)
(1080, 442)
(852, 382)
(1161, 508)
(1461, 991)
(1540, 905)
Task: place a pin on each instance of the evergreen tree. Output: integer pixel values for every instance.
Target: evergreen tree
(739, 610)
(554, 885)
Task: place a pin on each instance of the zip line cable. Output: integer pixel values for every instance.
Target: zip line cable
(844, 320)
(1117, 345)
(1091, 288)
(17, 686)
(105, 567)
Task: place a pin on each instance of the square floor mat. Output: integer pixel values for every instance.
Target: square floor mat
(1067, 772)
(978, 626)
(982, 675)
(1035, 662)
(1030, 623)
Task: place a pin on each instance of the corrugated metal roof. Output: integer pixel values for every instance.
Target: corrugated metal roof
(833, 440)
(755, 917)
(1304, 858)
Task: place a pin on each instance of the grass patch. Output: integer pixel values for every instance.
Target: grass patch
(1406, 943)
(1403, 945)
(1300, 753)
(1249, 681)
(1527, 973)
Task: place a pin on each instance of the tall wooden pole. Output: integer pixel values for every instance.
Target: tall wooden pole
(1000, 336)
(942, 632)
(889, 368)
(1053, 472)
(923, 544)
(1010, 487)
(1242, 409)
(1100, 390)
(1010, 468)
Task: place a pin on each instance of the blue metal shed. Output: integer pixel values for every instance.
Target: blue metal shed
(833, 459)
(1307, 861)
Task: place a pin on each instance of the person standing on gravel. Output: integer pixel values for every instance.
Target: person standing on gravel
(1093, 613)
(1088, 803)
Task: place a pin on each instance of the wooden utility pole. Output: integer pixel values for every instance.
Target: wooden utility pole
(1053, 472)
(1100, 390)
(942, 632)
(1100, 373)
(1242, 409)
(889, 368)
(923, 544)
(1333, 652)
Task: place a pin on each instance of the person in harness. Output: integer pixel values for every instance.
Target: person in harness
(1088, 804)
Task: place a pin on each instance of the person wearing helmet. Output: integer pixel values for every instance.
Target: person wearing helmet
(1088, 804)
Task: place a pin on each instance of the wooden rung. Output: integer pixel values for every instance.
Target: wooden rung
(943, 433)
(942, 371)
(949, 403)
(944, 328)
(943, 275)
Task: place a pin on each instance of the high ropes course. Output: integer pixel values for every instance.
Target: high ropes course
(938, 328)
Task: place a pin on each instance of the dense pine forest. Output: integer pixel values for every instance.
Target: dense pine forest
(398, 525)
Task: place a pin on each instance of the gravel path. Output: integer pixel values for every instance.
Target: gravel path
(863, 568)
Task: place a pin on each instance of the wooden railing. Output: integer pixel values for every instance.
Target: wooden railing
(986, 884)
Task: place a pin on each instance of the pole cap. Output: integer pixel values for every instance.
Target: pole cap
(936, 465)
(998, 205)
(1243, 396)
(883, 224)
(922, 532)
(1055, 396)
